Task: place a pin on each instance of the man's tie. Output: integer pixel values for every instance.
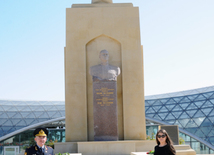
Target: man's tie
(41, 150)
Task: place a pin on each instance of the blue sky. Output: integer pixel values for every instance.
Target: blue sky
(178, 40)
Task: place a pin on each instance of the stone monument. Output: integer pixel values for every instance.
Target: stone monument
(105, 99)
(90, 28)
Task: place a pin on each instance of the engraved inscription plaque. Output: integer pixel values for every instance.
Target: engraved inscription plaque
(105, 110)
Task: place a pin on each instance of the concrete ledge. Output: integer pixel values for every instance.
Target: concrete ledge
(185, 152)
(138, 153)
(70, 147)
(182, 147)
(144, 145)
(180, 150)
(102, 5)
(133, 147)
(106, 148)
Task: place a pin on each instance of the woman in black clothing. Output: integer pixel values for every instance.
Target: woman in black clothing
(165, 146)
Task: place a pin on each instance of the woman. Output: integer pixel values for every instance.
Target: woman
(165, 146)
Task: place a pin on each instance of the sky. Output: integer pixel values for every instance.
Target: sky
(177, 38)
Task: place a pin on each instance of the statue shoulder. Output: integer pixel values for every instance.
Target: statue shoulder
(113, 67)
(93, 69)
(117, 69)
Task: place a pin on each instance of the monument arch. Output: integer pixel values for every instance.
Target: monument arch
(93, 48)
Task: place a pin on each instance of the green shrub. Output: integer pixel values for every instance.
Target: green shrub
(181, 141)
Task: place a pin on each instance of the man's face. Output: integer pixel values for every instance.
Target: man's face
(104, 56)
(40, 140)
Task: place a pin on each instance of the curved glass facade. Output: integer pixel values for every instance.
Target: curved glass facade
(192, 111)
(15, 115)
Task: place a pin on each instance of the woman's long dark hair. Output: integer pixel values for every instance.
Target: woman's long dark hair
(168, 140)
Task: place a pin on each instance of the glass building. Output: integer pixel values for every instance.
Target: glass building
(192, 111)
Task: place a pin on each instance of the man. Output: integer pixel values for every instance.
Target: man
(104, 71)
(40, 148)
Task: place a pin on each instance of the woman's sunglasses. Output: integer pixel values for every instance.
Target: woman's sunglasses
(163, 136)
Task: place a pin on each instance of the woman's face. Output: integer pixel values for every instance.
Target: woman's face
(161, 137)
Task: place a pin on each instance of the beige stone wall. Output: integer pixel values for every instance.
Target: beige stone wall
(89, 29)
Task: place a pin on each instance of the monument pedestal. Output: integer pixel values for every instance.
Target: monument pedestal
(105, 147)
(135, 147)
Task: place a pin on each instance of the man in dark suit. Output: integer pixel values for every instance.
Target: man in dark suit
(40, 148)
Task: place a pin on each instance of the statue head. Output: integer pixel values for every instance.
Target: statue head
(104, 56)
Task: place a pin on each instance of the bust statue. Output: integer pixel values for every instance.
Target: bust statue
(101, 1)
(104, 71)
